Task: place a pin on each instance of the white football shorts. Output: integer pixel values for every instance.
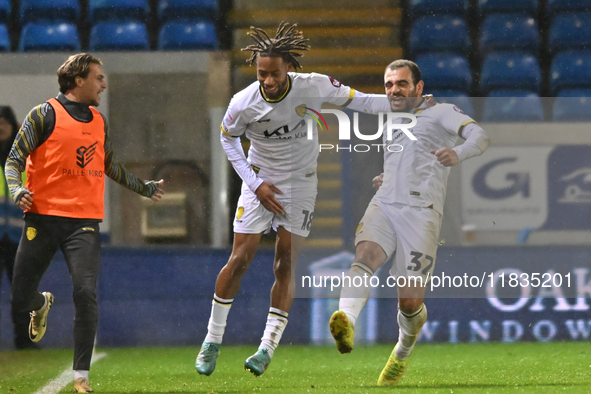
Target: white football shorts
(411, 234)
(298, 200)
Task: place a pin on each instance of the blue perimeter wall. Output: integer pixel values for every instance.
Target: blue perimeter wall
(162, 297)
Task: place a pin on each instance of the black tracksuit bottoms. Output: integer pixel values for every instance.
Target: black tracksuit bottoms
(79, 240)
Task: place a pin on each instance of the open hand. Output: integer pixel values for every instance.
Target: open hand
(159, 192)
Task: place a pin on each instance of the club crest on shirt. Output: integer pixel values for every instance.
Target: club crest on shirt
(457, 109)
(334, 82)
(301, 110)
(31, 233)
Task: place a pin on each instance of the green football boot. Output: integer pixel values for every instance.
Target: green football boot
(207, 358)
(342, 331)
(393, 371)
(258, 362)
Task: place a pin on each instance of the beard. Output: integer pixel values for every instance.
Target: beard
(404, 103)
(281, 89)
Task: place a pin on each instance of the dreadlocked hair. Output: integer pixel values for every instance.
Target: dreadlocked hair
(285, 44)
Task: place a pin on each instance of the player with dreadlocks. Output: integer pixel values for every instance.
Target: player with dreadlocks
(279, 177)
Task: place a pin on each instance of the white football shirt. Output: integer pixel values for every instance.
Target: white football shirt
(277, 129)
(412, 174)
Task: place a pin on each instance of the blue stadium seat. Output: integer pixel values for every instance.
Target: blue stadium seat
(49, 36)
(572, 105)
(439, 33)
(570, 69)
(509, 31)
(570, 30)
(419, 8)
(486, 7)
(101, 10)
(4, 38)
(62, 10)
(512, 105)
(188, 35)
(510, 70)
(445, 71)
(4, 11)
(119, 36)
(554, 7)
(174, 9)
(455, 97)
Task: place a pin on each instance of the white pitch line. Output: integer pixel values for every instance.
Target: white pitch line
(57, 384)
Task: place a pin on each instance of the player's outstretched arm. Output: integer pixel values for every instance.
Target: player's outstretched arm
(114, 170)
(151, 189)
(369, 103)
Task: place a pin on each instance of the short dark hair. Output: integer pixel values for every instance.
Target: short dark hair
(76, 66)
(7, 113)
(414, 69)
(285, 44)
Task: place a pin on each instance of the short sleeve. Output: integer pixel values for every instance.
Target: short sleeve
(234, 123)
(331, 90)
(453, 119)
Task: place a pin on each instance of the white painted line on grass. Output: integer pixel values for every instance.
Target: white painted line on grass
(57, 384)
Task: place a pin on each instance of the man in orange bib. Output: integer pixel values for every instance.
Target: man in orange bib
(64, 147)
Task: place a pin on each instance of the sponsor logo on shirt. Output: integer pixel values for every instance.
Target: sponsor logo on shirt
(84, 155)
(281, 132)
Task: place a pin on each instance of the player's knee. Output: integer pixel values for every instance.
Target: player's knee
(371, 254)
(237, 265)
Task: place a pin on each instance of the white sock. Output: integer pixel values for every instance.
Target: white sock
(353, 298)
(80, 374)
(409, 330)
(276, 322)
(220, 308)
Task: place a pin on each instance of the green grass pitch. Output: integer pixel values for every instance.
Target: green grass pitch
(441, 368)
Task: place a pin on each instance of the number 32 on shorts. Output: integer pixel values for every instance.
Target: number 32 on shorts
(308, 216)
(417, 263)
